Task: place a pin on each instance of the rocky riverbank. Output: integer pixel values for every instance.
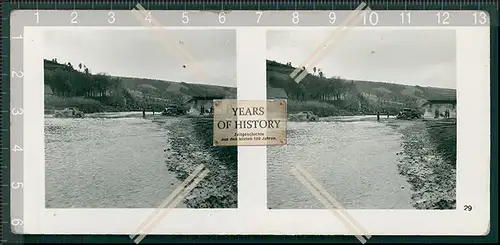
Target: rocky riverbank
(191, 145)
(428, 161)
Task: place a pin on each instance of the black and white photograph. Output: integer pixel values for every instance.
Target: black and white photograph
(128, 116)
(373, 120)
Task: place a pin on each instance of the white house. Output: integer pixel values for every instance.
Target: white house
(431, 106)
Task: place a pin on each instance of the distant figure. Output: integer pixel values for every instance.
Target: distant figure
(211, 110)
(153, 111)
(144, 112)
(387, 114)
(436, 113)
(378, 116)
(447, 113)
(202, 110)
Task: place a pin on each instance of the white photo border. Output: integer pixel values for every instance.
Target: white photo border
(252, 215)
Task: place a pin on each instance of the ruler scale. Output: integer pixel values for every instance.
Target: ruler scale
(299, 18)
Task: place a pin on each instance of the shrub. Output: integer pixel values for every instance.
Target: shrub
(321, 109)
(83, 104)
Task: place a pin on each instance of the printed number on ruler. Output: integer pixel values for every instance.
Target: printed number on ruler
(443, 18)
(111, 18)
(405, 18)
(372, 18)
(222, 18)
(332, 17)
(259, 14)
(74, 16)
(185, 18)
(17, 185)
(19, 74)
(17, 111)
(17, 222)
(17, 148)
(480, 18)
(295, 18)
(148, 17)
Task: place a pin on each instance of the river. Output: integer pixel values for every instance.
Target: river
(354, 158)
(118, 160)
(106, 160)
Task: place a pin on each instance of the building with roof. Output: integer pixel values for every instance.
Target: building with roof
(440, 104)
(196, 103)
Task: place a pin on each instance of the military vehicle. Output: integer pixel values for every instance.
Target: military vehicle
(409, 113)
(173, 110)
(304, 116)
(69, 113)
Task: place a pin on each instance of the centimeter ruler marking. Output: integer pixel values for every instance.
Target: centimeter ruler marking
(6, 214)
(3, 95)
(221, 5)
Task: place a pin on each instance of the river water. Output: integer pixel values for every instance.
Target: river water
(353, 158)
(117, 160)
(107, 160)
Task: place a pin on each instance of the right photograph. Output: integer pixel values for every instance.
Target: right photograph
(371, 118)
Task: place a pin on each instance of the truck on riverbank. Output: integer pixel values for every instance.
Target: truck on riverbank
(173, 110)
(303, 116)
(409, 113)
(69, 113)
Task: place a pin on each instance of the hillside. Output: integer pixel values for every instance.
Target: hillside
(165, 89)
(352, 95)
(75, 86)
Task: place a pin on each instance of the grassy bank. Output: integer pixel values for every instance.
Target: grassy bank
(322, 109)
(191, 145)
(428, 162)
(444, 136)
(83, 104)
(88, 105)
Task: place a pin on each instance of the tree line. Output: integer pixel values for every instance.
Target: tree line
(339, 91)
(67, 81)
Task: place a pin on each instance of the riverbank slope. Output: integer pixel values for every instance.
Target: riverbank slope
(192, 145)
(428, 160)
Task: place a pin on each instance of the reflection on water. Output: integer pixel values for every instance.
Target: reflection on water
(113, 161)
(354, 160)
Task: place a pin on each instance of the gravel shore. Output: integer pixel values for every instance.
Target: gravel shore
(191, 145)
(428, 161)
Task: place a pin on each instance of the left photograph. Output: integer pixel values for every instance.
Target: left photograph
(128, 117)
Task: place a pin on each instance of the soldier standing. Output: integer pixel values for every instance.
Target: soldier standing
(378, 116)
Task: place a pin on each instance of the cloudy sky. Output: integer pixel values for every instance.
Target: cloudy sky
(413, 57)
(148, 53)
